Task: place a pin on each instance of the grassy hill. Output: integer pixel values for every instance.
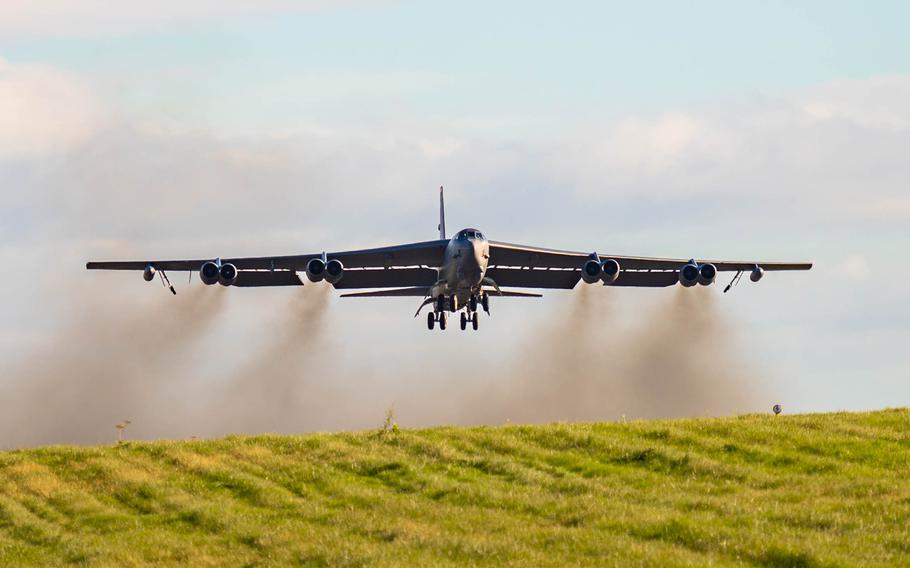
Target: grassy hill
(812, 490)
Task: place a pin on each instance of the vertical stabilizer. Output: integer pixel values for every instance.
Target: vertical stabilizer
(442, 215)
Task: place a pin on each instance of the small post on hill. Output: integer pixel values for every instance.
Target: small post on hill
(120, 428)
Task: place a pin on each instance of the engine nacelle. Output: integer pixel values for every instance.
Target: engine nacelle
(334, 270)
(209, 273)
(688, 274)
(707, 273)
(315, 269)
(227, 275)
(757, 273)
(591, 271)
(609, 271)
(148, 273)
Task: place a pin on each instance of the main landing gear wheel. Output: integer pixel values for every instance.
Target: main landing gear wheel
(474, 321)
(431, 321)
(464, 321)
(442, 320)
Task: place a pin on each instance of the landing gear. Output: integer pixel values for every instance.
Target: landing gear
(442, 320)
(466, 317)
(453, 303)
(472, 303)
(431, 320)
(440, 303)
(485, 302)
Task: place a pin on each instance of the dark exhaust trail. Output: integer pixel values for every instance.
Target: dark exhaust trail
(288, 386)
(683, 361)
(113, 361)
(676, 358)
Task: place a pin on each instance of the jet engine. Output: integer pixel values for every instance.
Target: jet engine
(315, 269)
(227, 274)
(209, 273)
(688, 274)
(706, 274)
(609, 271)
(591, 271)
(757, 273)
(148, 273)
(334, 270)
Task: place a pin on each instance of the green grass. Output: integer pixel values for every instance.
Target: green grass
(811, 490)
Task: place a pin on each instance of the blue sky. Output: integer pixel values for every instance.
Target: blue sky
(481, 59)
(775, 130)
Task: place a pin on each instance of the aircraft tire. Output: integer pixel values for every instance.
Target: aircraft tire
(431, 320)
(464, 321)
(474, 322)
(442, 320)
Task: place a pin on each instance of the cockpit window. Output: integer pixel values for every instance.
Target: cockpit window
(479, 235)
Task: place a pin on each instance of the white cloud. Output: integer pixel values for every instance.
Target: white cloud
(19, 18)
(831, 147)
(43, 110)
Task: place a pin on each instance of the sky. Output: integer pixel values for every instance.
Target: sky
(773, 130)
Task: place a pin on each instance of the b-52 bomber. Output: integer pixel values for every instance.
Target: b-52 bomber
(457, 274)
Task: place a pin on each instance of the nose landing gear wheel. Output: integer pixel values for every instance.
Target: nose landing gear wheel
(474, 321)
(464, 321)
(431, 321)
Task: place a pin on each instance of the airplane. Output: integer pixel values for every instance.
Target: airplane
(457, 274)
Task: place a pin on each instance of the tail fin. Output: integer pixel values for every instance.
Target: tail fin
(442, 215)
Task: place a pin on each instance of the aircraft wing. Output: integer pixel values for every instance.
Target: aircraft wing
(536, 267)
(512, 255)
(427, 253)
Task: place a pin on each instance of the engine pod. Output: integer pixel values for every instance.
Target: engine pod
(315, 270)
(209, 273)
(334, 270)
(609, 271)
(227, 274)
(707, 273)
(688, 274)
(591, 271)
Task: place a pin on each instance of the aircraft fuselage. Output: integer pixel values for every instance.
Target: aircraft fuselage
(464, 265)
